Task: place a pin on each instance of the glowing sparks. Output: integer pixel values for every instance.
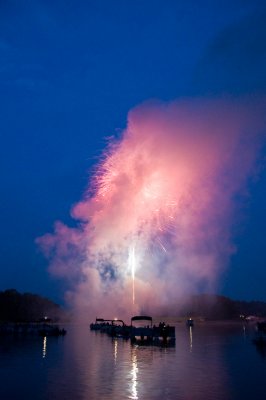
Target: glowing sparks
(132, 266)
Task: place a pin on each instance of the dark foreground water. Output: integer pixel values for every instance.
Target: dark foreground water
(209, 361)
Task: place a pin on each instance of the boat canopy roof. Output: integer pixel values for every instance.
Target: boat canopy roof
(141, 318)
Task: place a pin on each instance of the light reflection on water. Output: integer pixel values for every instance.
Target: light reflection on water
(208, 362)
(191, 338)
(115, 349)
(134, 373)
(44, 347)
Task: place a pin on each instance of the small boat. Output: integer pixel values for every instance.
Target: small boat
(28, 328)
(113, 327)
(143, 331)
(116, 328)
(50, 330)
(190, 322)
(98, 324)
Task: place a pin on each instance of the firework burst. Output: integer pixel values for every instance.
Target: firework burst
(158, 210)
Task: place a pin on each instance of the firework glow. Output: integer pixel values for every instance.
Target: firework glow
(132, 263)
(156, 219)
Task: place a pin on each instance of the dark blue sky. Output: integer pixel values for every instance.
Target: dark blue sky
(69, 73)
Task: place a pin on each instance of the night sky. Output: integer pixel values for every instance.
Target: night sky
(70, 71)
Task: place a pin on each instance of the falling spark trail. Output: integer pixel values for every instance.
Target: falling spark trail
(132, 262)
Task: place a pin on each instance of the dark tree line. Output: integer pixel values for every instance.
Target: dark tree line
(26, 307)
(216, 307)
(209, 307)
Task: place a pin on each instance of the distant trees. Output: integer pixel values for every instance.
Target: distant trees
(209, 307)
(26, 307)
(257, 308)
(216, 307)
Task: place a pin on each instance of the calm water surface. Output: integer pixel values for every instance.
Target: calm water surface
(209, 361)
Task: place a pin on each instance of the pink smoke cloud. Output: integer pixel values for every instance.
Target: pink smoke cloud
(167, 190)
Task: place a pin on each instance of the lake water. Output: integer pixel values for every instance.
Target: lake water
(209, 361)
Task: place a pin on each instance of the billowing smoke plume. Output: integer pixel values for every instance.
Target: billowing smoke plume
(159, 210)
